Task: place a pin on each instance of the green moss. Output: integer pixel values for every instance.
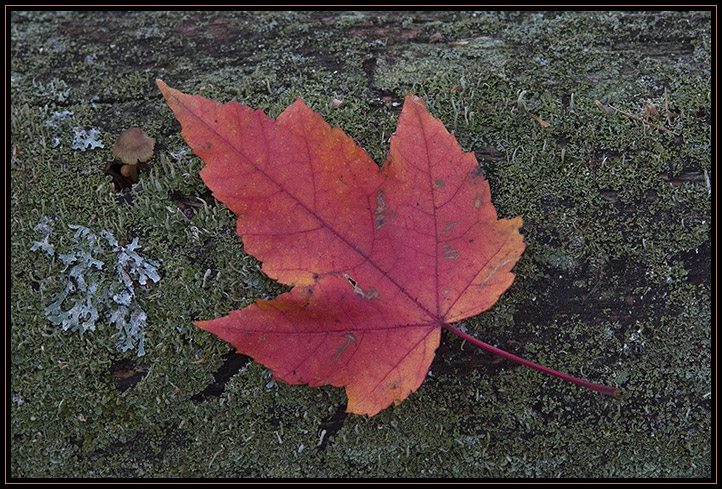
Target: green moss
(614, 285)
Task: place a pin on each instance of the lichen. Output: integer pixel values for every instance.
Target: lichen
(83, 139)
(90, 293)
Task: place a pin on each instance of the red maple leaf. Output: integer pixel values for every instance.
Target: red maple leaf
(380, 259)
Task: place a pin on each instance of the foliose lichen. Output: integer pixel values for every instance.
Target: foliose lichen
(89, 293)
(86, 139)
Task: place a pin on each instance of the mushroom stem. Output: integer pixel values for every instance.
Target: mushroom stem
(130, 171)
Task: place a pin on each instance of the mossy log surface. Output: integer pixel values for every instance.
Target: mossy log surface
(614, 287)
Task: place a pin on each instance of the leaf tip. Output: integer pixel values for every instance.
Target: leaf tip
(415, 99)
(204, 325)
(164, 89)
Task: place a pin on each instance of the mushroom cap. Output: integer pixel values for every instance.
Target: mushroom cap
(133, 145)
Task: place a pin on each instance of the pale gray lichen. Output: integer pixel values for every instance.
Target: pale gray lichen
(44, 226)
(88, 290)
(86, 139)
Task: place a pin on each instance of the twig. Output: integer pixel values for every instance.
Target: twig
(208, 350)
(667, 113)
(214, 456)
(539, 120)
(642, 120)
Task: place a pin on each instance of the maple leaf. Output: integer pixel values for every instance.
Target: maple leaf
(380, 258)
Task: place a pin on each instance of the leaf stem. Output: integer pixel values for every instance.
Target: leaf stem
(610, 391)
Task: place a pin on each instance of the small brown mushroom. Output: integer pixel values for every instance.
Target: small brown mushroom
(133, 145)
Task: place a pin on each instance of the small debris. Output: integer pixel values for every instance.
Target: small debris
(436, 37)
(539, 120)
(650, 109)
(642, 120)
